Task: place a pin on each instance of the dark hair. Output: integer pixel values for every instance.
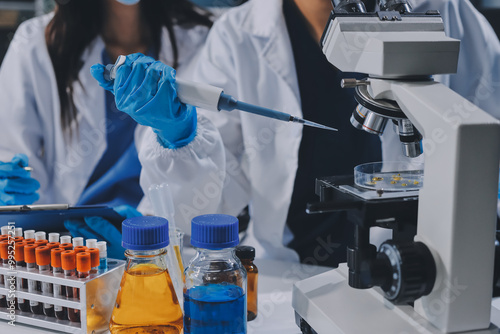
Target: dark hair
(76, 23)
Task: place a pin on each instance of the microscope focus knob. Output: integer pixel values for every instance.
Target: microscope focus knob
(413, 271)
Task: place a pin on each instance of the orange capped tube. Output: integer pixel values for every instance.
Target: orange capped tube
(42, 255)
(30, 256)
(83, 264)
(53, 245)
(4, 251)
(66, 246)
(68, 260)
(41, 242)
(4, 237)
(19, 252)
(18, 239)
(94, 258)
(55, 259)
(29, 241)
(79, 249)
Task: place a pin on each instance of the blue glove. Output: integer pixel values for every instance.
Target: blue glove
(145, 89)
(101, 229)
(17, 187)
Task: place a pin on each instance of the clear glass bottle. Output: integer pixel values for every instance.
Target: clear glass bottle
(246, 254)
(146, 299)
(216, 281)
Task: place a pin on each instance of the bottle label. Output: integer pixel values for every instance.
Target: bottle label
(45, 305)
(20, 300)
(33, 303)
(58, 308)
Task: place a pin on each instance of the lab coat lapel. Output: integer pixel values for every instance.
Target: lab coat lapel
(269, 24)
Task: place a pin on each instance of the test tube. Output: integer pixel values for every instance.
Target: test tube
(91, 243)
(68, 261)
(103, 255)
(66, 246)
(18, 232)
(42, 255)
(5, 230)
(30, 259)
(78, 241)
(83, 264)
(4, 255)
(80, 249)
(54, 237)
(29, 234)
(40, 235)
(22, 283)
(65, 239)
(94, 259)
(59, 290)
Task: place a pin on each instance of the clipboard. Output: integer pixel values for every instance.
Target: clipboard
(51, 217)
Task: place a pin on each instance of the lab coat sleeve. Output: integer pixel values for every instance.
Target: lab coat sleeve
(21, 128)
(478, 75)
(208, 175)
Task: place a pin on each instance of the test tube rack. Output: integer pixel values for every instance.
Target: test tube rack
(97, 298)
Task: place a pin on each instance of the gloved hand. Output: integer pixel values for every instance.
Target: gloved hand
(17, 187)
(145, 89)
(101, 229)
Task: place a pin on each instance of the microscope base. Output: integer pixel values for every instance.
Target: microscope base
(330, 306)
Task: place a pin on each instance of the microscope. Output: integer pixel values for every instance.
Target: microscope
(436, 274)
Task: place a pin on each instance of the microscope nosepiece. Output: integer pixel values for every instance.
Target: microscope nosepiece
(374, 123)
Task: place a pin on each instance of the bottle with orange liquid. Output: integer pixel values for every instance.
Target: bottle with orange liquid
(146, 300)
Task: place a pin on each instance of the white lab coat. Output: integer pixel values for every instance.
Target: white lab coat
(238, 159)
(30, 110)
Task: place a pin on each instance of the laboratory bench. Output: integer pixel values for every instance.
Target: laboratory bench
(275, 312)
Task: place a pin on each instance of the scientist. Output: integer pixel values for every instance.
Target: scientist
(267, 53)
(81, 148)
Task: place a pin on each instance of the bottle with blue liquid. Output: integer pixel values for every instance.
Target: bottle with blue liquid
(215, 299)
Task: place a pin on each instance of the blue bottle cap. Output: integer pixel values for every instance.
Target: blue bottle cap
(214, 231)
(145, 233)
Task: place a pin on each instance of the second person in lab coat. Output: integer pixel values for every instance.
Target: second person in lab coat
(267, 53)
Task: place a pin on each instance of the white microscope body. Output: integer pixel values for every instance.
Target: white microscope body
(458, 202)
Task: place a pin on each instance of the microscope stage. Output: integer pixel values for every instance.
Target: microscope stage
(330, 306)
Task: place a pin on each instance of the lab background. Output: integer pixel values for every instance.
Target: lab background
(14, 12)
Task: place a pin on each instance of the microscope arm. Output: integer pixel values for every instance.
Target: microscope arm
(457, 206)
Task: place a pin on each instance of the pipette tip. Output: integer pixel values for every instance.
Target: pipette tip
(312, 124)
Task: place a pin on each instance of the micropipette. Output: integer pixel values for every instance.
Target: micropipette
(213, 98)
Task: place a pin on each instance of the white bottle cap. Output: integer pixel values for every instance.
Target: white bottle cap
(78, 241)
(29, 234)
(54, 237)
(40, 235)
(65, 239)
(91, 243)
(19, 232)
(5, 230)
(102, 246)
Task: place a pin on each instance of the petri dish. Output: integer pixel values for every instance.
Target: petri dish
(390, 176)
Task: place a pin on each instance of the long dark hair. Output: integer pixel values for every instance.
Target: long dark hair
(76, 23)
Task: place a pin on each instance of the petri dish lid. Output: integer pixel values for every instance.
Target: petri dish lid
(390, 176)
